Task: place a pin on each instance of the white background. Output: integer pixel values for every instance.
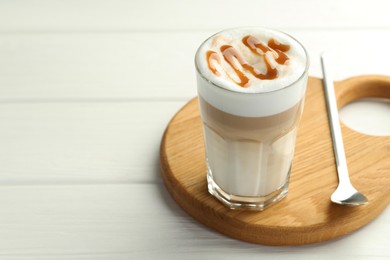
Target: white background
(86, 91)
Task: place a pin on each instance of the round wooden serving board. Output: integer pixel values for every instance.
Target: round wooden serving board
(306, 215)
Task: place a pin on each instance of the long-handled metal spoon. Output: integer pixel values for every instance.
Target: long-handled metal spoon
(345, 193)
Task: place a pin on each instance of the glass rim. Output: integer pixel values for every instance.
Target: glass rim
(255, 93)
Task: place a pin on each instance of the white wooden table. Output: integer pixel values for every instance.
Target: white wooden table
(86, 90)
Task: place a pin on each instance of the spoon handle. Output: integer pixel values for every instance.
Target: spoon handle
(335, 128)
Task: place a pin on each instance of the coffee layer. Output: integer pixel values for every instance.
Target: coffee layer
(250, 128)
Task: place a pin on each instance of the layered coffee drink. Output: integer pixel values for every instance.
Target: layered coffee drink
(251, 87)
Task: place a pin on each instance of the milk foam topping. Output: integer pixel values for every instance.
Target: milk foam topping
(269, 64)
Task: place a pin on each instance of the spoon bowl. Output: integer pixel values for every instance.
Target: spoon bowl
(346, 194)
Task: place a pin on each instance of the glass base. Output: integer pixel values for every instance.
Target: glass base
(245, 202)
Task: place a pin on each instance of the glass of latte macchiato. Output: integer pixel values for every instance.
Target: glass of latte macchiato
(251, 89)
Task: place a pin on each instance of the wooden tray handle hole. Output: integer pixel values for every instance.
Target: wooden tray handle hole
(364, 104)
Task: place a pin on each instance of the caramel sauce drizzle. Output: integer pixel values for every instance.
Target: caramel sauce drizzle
(231, 56)
(212, 55)
(280, 49)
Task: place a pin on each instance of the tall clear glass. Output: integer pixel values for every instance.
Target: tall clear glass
(249, 156)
